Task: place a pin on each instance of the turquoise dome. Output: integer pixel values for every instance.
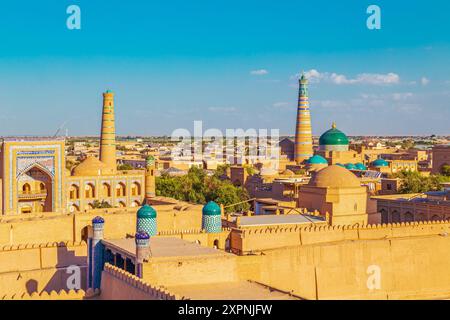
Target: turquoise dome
(317, 160)
(333, 137)
(360, 166)
(211, 209)
(146, 211)
(380, 163)
(340, 165)
(350, 166)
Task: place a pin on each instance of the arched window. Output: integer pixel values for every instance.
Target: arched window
(135, 189)
(120, 189)
(122, 204)
(106, 190)
(89, 191)
(216, 244)
(436, 218)
(135, 204)
(74, 192)
(409, 217)
(74, 208)
(42, 187)
(384, 216)
(395, 216)
(26, 188)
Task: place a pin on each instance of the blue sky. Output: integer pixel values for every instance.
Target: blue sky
(231, 64)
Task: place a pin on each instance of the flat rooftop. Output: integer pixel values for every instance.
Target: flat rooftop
(163, 247)
(240, 290)
(261, 220)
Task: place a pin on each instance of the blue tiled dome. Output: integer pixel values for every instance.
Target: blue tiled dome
(350, 166)
(211, 209)
(146, 211)
(98, 220)
(333, 137)
(380, 163)
(316, 159)
(142, 235)
(360, 166)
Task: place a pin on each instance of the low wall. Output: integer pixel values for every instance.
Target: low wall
(118, 284)
(53, 295)
(35, 268)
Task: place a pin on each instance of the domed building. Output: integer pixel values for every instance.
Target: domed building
(316, 163)
(381, 165)
(337, 191)
(334, 147)
(333, 140)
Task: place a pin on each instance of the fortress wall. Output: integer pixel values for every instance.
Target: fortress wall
(196, 270)
(54, 295)
(30, 268)
(50, 227)
(259, 239)
(409, 268)
(118, 284)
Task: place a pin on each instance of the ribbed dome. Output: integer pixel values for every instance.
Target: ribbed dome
(91, 166)
(350, 166)
(146, 211)
(380, 163)
(334, 177)
(333, 137)
(316, 159)
(360, 166)
(211, 209)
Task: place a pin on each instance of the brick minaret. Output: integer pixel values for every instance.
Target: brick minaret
(108, 134)
(303, 133)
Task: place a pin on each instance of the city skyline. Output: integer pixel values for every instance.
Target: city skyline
(168, 70)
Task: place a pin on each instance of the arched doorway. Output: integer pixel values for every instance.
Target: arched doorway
(120, 189)
(35, 187)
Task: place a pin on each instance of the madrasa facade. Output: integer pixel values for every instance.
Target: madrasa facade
(34, 177)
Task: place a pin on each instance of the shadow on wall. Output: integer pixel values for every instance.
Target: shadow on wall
(70, 273)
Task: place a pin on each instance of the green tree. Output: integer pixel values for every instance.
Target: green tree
(125, 166)
(445, 170)
(101, 205)
(198, 187)
(414, 182)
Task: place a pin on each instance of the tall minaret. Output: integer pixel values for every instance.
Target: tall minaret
(108, 135)
(303, 133)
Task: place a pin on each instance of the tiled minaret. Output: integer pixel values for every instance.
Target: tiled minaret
(303, 133)
(108, 135)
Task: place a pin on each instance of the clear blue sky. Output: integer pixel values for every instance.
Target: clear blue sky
(229, 63)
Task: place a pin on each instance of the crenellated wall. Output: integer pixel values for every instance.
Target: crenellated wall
(53, 295)
(50, 227)
(118, 284)
(264, 238)
(40, 267)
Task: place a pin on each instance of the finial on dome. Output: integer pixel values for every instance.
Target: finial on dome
(333, 125)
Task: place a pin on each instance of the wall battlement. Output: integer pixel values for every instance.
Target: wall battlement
(43, 245)
(132, 286)
(53, 295)
(263, 238)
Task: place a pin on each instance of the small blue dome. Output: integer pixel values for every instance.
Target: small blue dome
(146, 211)
(380, 163)
(340, 165)
(360, 166)
(142, 235)
(350, 166)
(316, 159)
(211, 209)
(98, 220)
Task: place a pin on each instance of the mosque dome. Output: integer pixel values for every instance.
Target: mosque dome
(360, 166)
(380, 163)
(142, 235)
(97, 220)
(334, 176)
(146, 211)
(350, 166)
(333, 139)
(211, 209)
(91, 166)
(316, 159)
(340, 165)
